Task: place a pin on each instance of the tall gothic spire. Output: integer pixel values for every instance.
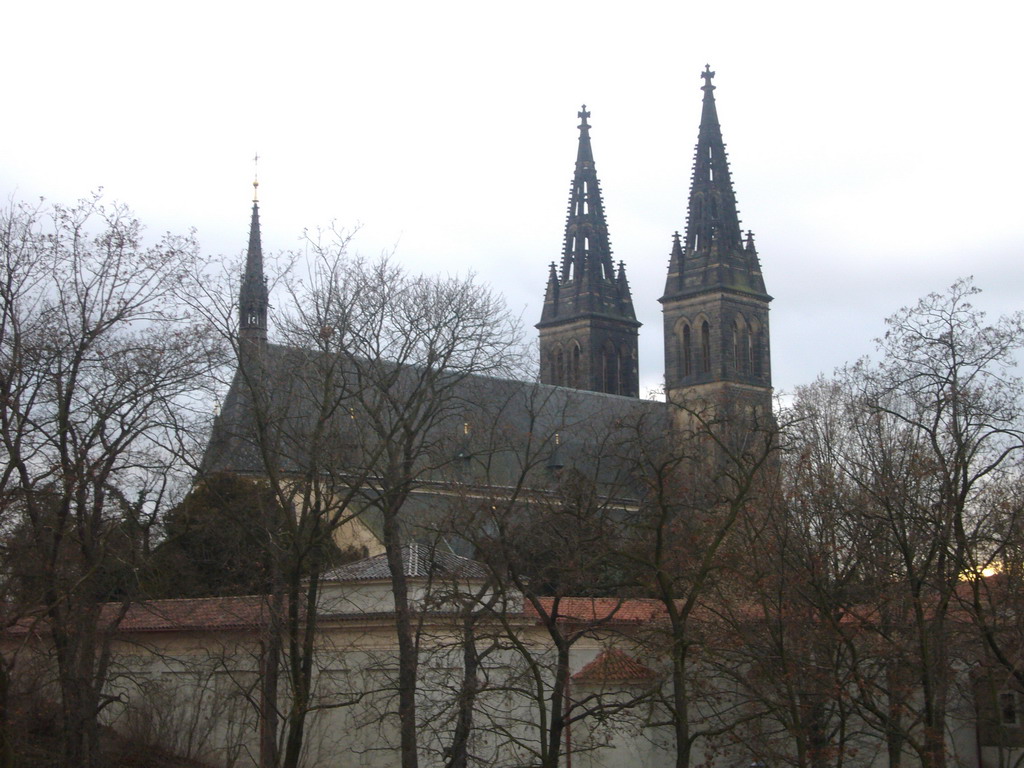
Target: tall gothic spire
(586, 251)
(713, 252)
(588, 326)
(252, 296)
(715, 307)
(713, 220)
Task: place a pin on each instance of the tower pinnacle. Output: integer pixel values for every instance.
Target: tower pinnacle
(588, 327)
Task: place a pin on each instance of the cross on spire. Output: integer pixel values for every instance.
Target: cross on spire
(707, 74)
(583, 114)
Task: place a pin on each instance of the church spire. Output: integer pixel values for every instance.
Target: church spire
(715, 305)
(713, 252)
(252, 296)
(588, 328)
(586, 251)
(713, 221)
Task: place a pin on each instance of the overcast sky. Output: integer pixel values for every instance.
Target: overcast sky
(876, 148)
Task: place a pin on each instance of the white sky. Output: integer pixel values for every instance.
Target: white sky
(876, 148)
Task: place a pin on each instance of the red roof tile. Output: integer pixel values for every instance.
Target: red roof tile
(614, 666)
(195, 614)
(598, 609)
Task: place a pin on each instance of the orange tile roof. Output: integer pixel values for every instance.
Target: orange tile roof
(199, 613)
(614, 666)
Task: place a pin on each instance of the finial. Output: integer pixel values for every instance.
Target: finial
(255, 178)
(584, 115)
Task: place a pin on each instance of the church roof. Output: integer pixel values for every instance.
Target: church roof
(490, 431)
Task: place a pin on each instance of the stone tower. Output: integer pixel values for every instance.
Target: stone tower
(715, 306)
(588, 329)
(252, 295)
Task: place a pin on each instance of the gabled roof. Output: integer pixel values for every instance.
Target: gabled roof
(614, 666)
(488, 432)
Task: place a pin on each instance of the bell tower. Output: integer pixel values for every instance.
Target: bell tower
(715, 306)
(588, 329)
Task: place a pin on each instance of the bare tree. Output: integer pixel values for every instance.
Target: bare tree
(782, 613)
(551, 557)
(101, 376)
(348, 421)
(938, 422)
(898, 484)
(703, 470)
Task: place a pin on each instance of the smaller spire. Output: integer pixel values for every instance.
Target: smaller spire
(551, 293)
(252, 298)
(675, 265)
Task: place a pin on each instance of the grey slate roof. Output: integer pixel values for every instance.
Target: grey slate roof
(515, 429)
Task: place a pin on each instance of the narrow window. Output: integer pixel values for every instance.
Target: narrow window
(687, 352)
(624, 376)
(748, 339)
(575, 375)
(611, 370)
(758, 351)
(736, 359)
(705, 347)
(560, 368)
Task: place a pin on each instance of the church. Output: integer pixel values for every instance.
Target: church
(405, 462)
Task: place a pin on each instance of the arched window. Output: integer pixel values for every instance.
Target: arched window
(687, 351)
(705, 347)
(574, 368)
(559, 368)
